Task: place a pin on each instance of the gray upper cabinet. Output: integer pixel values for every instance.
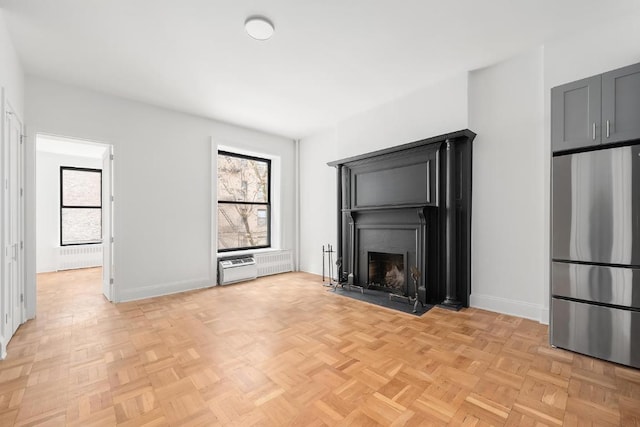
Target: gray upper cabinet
(602, 109)
(621, 104)
(575, 114)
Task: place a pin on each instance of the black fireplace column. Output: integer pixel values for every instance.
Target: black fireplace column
(451, 301)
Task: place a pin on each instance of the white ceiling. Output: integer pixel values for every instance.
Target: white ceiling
(328, 59)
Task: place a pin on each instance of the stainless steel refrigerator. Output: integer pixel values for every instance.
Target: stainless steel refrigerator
(595, 268)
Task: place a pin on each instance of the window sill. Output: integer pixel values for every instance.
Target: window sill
(246, 252)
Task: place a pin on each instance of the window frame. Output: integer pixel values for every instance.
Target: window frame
(63, 206)
(266, 204)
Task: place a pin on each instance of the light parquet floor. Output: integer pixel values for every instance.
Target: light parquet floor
(282, 350)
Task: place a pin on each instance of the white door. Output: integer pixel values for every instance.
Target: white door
(107, 224)
(13, 219)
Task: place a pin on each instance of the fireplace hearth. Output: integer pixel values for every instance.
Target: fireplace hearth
(409, 206)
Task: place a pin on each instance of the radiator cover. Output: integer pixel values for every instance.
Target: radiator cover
(79, 256)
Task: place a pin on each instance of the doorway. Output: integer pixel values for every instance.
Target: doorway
(74, 206)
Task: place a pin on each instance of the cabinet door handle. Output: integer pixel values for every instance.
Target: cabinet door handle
(608, 125)
(593, 131)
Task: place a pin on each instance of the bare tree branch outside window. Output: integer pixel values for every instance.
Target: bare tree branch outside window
(243, 202)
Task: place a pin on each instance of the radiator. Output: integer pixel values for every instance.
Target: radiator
(274, 262)
(79, 256)
(234, 270)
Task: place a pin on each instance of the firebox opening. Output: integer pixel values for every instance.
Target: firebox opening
(387, 272)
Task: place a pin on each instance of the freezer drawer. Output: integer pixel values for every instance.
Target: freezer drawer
(607, 285)
(607, 333)
(596, 206)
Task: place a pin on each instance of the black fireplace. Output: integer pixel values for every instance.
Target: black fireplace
(387, 272)
(408, 208)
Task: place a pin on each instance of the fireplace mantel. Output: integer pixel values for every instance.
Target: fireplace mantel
(413, 199)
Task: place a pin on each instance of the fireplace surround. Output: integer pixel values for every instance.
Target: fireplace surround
(409, 202)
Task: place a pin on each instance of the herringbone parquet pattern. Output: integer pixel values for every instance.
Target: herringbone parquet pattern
(282, 350)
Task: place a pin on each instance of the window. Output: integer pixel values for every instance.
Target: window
(244, 202)
(80, 206)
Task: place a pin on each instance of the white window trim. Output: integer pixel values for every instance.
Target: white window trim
(276, 202)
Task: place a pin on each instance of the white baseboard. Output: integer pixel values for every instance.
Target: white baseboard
(162, 289)
(544, 315)
(512, 307)
(3, 348)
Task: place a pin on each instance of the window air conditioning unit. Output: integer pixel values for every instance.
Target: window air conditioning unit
(234, 270)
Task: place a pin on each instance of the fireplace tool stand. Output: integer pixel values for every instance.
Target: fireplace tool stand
(327, 255)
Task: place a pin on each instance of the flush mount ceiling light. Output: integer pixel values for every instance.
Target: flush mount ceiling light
(259, 27)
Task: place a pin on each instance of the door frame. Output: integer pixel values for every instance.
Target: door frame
(108, 217)
(11, 308)
(108, 282)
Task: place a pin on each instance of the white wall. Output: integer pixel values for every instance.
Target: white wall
(612, 44)
(506, 110)
(11, 74)
(509, 108)
(162, 181)
(48, 204)
(11, 79)
(428, 112)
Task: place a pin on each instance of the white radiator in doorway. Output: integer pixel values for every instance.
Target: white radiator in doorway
(79, 256)
(274, 262)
